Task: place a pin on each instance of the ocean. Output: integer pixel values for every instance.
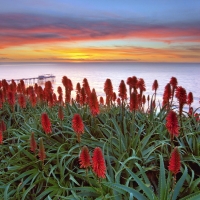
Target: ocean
(187, 75)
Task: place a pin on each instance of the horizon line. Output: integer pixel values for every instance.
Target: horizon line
(88, 62)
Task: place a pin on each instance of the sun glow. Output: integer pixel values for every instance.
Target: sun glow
(60, 53)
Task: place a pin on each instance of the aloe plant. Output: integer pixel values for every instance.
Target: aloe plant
(136, 147)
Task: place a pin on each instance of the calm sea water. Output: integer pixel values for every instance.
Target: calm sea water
(96, 73)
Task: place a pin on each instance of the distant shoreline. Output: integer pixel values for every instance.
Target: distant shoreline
(107, 62)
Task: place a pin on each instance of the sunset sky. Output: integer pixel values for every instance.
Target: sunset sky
(97, 31)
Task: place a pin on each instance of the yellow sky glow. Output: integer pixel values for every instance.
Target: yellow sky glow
(58, 53)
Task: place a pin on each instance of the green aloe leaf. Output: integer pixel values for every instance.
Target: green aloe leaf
(194, 196)
(147, 190)
(179, 184)
(120, 188)
(162, 180)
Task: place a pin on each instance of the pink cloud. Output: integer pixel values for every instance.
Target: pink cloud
(18, 29)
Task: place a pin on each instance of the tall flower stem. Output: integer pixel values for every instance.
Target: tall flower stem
(181, 126)
(181, 95)
(122, 108)
(42, 154)
(100, 185)
(173, 185)
(131, 138)
(172, 143)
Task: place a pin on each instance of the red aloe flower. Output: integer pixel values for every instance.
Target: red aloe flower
(167, 94)
(142, 88)
(35, 87)
(77, 125)
(13, 87)
(46, 123)
(118, 101)
(93, 103)
(82, 96)
(114, 97)
(190, 98)
(108, 89)
(181, 95)
(122, 90)
(48, 91)
(190, 112)
(175, 161)
(30, 90)
(22, 86)
(68, 88)
(33, 99)
(78, 88)
(173, 82)
(101, 100)
(172, 124)
(19, 90)
(128, 81)
(60, 95)
(132, 82)
(1, 137)
(141, 85)
(60, 113)
(22, 101)
(5, 86)
(11, 98)
(59, 90)
(42, 153)
(54, 99)
(50, 100)
(60, 99)
(33, 144)
(2, 97)
(98, 163)
(48, 86)
(197, 117)
(84, 159)
(86, 87)
(155, 85)
(133, 102)
(40, 94)
(67, 83)
(78, 92)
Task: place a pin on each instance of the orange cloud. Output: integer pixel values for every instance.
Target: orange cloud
(19, 30)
